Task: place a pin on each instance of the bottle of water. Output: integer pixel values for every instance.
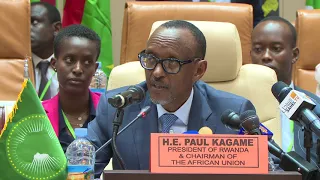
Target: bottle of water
(99, 81)
(80, 157)
(26, 69)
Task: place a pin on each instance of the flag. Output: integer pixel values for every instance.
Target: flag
(312, 4)
(29, 147)
(96, 16)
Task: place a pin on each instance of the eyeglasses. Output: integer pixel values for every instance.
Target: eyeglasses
(169, 65)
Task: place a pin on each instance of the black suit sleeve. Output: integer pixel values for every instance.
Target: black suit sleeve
(257, 9)
(97, 134)
(246, 105)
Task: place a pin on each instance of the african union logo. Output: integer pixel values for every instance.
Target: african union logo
(33, 149)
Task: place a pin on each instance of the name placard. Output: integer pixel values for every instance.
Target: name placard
(214, 154)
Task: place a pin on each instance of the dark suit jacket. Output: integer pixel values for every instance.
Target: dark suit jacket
(258, 14)
(134, 143)
(299, 134)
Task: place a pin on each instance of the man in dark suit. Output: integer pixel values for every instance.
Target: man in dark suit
(174, 62)
(257, 9)
(45, 24)
(274, 46)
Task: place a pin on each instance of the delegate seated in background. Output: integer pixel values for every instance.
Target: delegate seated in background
(274, 45)
(45, 24)
(76, 50)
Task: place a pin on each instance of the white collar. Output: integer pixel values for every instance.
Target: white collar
(182, 113)
(36, 59)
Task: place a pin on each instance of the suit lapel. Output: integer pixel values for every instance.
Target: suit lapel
(199, 112)
(142, 131)
(51, 107)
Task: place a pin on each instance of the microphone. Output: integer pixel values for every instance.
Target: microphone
(133, 94)
(250, 122)
(233, 121)
(296, 106)
(291, 161)
(205, 130)
(251, 125)
(144, 111)
(263, 129)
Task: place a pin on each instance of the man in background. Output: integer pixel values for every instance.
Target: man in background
(274, 45)
(45, 24)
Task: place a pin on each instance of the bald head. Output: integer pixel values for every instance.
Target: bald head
(198, 38)
(274, 46)
(283, 22)
(272, 32)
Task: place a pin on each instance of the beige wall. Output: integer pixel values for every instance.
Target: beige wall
(287, 10)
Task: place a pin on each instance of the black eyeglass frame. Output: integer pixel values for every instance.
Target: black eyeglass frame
(181, 62)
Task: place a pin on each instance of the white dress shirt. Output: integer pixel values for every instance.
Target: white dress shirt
(181, 124)
(54, 86)
(287, 134)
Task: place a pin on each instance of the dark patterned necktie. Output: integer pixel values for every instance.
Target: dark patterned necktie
(167, 120)
(43, 67)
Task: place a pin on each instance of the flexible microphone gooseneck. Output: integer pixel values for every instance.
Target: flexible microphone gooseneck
(249, 121)
(298, 107)
(144, 111)
(231, 119)
(116, 124)
(134, 94)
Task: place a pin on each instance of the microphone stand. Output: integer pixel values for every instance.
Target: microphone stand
(142, 114)
(116, 124)
(307, 143)
(318, 152)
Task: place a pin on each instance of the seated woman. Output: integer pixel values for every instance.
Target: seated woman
(76, 50)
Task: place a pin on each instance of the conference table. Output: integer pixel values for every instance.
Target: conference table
(146, 175)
